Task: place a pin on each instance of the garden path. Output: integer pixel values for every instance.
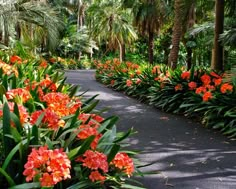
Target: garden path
(187, 155)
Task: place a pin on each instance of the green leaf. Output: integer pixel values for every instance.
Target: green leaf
(7, 142)
(12, 153)
(115, 149)
(108, 123)
(81, 149)
(82, 185)
(27, 186)
(89, 107)
(74, 91)
(35, 135)
(9, 179)
(60, 87)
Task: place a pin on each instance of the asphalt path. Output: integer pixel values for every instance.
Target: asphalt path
(187, 155)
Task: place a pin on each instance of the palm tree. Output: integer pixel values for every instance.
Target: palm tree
(148, 18)
(180, 7)
(27, 17)
(109, 22)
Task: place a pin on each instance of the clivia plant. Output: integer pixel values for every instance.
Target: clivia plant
(52, 138)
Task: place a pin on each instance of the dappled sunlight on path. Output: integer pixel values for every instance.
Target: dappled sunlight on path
(187, 155)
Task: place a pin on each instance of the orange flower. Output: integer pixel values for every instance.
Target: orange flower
(24, 116)
(48, 83)
(50, 120)
(52, 60)
(138, 72)
(200, 90)
(207, 96)
(192, 85)
(50, 166)
(206, 79)
(43, 64)
(129, 83)
(185, 75)
(217, 81)
(15, 59)
(94, 160)
(21, 93)
(123, 162)
(8, 69)
(112, 82)
(226, 87)
(156, 69)
(178, 87)
(96, 176)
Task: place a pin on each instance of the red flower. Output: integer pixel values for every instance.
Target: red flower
(192, 85)
(123, 162)
(207, 96)
(185, 75)
(206, 79)
(226, 87)
(15, 59)
(50, 166)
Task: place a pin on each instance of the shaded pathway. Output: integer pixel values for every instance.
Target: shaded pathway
(188, 155)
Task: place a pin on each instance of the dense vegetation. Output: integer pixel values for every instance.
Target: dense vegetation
(177, 55)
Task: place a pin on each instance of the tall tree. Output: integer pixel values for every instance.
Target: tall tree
(181, 8)
(109, 22)
(218, 52)
(148, 18)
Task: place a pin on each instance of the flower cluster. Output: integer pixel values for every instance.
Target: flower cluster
(95, 161)
(123, 162)
(20, 93)
(50, 166)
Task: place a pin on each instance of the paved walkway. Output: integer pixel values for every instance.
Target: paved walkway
(187, 155)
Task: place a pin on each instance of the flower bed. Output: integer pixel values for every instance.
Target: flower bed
(198, 92)
(51, 138)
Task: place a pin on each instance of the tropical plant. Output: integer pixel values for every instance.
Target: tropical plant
(108, 22)
(53, 138)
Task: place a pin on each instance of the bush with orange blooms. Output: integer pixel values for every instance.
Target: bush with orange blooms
(51, 138)
(198, 92)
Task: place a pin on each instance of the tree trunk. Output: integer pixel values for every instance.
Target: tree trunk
(189, 57)
(217, 62)
(18, 31)
(6, 33)
(150, 46)
(123, 52)
(176, 35)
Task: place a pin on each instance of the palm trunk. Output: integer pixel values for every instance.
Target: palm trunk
(123, 52)
(18, 31)
(6, 33)
(151, 46)
(176, 35)
(218, 55)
